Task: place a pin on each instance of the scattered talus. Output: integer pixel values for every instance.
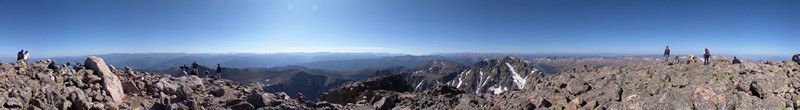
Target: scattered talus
(655, 85)
(720, 85)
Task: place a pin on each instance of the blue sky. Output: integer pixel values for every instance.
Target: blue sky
(81, 27)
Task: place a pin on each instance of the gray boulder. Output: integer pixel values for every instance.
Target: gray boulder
(111, 83)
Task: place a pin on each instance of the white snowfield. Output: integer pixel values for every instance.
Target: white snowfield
(461, 78)
(518, 80)
(481, 82)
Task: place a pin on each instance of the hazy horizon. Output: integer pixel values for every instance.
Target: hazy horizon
(72, 28)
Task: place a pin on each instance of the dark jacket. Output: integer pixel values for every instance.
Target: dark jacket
(20, 54)
(195, 65)
(219, 69)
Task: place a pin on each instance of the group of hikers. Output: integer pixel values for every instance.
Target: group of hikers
(692, 58)
(194, 71)
(22, 55)
(707, 56)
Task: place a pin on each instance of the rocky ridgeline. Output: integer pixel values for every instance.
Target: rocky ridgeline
(496, 76)
(96, 86)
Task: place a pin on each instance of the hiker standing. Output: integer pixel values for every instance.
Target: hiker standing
(666, 54)
(706, 56)
(26, 56)
(219, 70)
(195, 65)
(20, 55)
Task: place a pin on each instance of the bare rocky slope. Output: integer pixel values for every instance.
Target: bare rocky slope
(654, 85)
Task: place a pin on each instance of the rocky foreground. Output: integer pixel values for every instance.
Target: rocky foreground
(656, 85)
(97, 86)
(719, 85)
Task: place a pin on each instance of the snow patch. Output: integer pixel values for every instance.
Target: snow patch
(517, 79)
(459, 83)
(480, 85)
(420, 83)
(498, 89)
(461, 77)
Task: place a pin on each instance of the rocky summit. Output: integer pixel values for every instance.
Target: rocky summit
(652, 85)
(95, 86)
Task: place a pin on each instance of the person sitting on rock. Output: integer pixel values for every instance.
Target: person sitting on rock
(301, 98)
(53, 65)
(736, 60)
(677, 60)
(78, 66)
(796, 58)
(184, 68)
(691, 59)
(205, 73)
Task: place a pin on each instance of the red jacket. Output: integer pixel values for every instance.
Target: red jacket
(709, 53)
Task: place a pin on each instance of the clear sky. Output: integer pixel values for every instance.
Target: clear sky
(81, 27)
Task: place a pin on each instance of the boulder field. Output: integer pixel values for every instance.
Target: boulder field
(654, 85)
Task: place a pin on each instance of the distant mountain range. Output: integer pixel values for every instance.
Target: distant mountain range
(322, 60)
(161, 61)
(314, 73)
